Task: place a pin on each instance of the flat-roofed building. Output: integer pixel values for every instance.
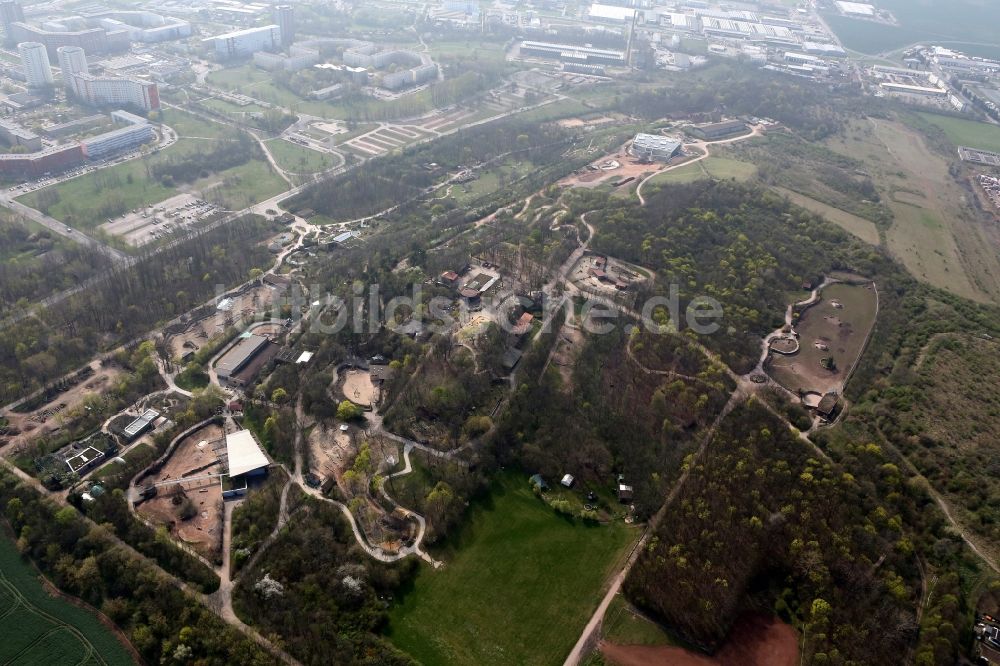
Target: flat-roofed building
(84, 460)
(115, 141)
(715, 131)
(243, 361)
(244, 43)
(655, 147)
(244, 455)
(572, 53)
(141, 424)
(15, 135)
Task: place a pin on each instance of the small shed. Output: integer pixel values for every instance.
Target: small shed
(827, 407)
(624, 493)
(568, 480)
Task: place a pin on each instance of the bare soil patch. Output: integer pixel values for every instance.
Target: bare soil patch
(756, 640)
(358, 387)
(193, 458)
(330, 450)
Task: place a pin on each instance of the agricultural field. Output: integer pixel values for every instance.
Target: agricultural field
(519, 584)
(852, 224)
(836, 328)
(933, 234)
(966, 132)
(38, 628)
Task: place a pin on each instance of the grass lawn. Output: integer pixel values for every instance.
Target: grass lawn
(724, 168)
(38, 628)
(682, 174)
(258, 84)
(624, 625)
(519, 584)
(82, 201)
(299, 159)
(186, 124)
(966, 132)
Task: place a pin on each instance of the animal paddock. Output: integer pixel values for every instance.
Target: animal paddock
(196, 457)
(835, 328)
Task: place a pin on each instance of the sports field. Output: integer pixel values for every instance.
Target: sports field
(37, 628)
(518, 587)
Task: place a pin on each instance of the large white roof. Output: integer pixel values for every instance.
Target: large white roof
(243, 452)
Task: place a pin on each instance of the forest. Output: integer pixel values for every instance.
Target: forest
(126, 302)
(754, 523)
(34, 264)
(321, 593)
(393, 180)
(743, 246)
(164, 623)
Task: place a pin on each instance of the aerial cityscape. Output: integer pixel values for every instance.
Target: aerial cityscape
(612, 333)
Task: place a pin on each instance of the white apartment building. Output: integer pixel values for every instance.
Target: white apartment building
(35, 60)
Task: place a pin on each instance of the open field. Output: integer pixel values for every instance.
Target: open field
(186, 124)
(836, 328)
(859, 226)
(971, 133)
(722, 168)
(85, 201)
(299, 159)
(934, 234)
(39, 628)
(519, 584)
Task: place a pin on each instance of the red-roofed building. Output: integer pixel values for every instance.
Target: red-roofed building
(523, 324)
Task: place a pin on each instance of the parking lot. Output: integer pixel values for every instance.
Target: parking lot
(144, 225)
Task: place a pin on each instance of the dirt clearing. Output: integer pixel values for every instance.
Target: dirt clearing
(756, 640)
(358, 387)
(191, 510)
